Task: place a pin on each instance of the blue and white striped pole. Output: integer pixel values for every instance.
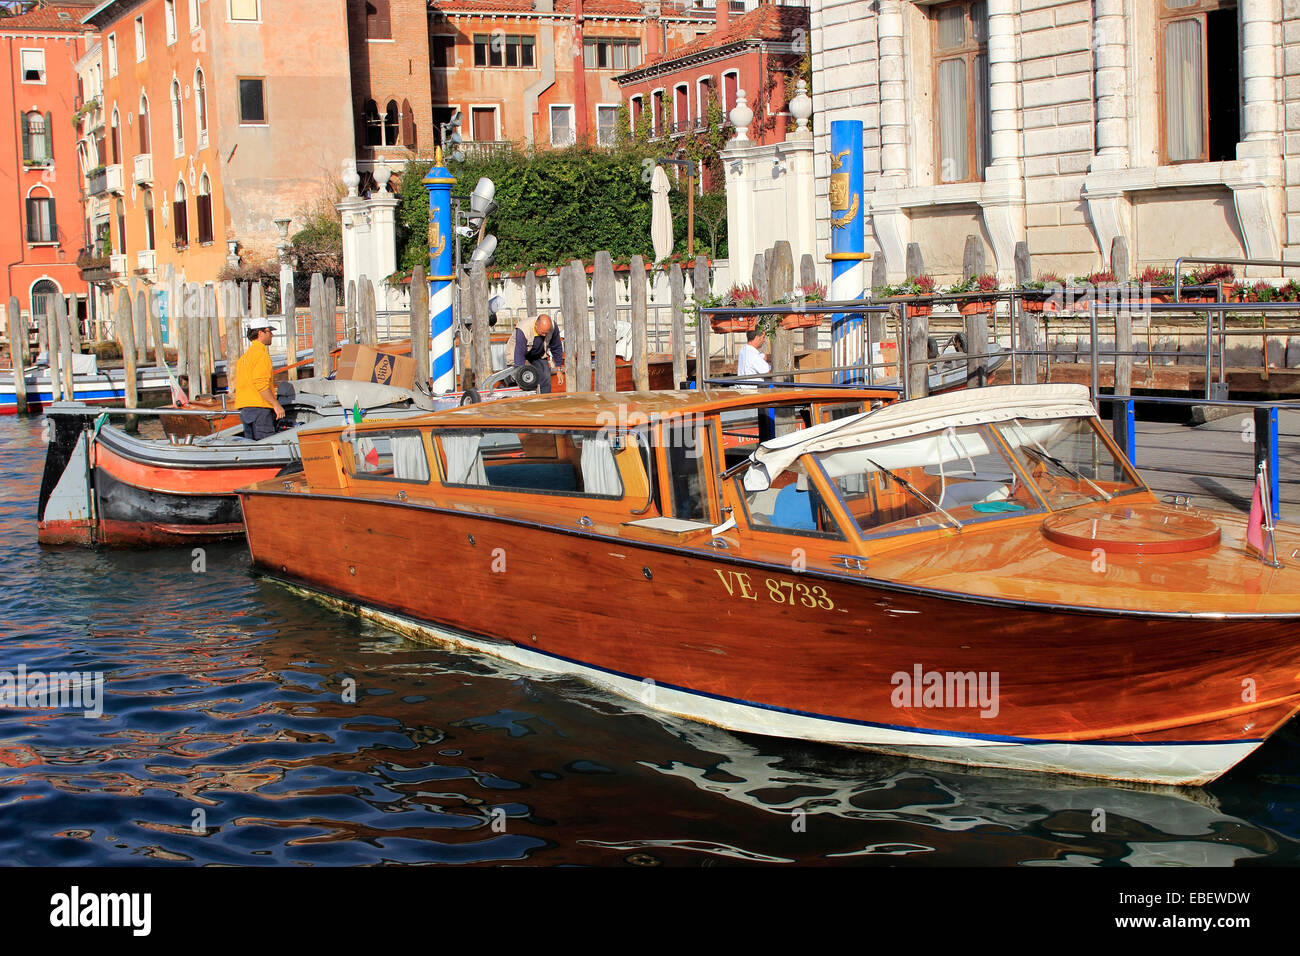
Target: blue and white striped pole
(848, 239)
(441, 278)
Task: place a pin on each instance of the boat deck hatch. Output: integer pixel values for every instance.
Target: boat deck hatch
(1147, 529)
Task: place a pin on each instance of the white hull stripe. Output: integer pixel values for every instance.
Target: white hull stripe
(1171, 762)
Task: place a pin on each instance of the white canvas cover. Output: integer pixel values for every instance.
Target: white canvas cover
(972, 406)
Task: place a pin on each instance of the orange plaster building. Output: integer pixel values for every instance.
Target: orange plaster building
(222, 117)
(40, 206)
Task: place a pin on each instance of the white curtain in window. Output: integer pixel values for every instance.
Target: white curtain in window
(954, 164)
(464, 463)
(599, 471)
(951, 27)
(409, 461)
(362, 447)
(1184, 99)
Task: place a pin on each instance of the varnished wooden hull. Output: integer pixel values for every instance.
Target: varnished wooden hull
(1169, 699)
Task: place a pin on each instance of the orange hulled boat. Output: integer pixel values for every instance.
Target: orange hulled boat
(978, 577)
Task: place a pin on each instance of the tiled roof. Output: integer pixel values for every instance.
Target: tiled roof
(767, 22)
(48, 18)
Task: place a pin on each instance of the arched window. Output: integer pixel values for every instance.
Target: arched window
(203, 209)
(178, 119)
(43, 295)
(38, 139)
(121, 227)
(180, 216)
(144, 126)
(200, 107)
(41, 224)
(408, 125)
(372, 124)
(117, 137)
(391, 123)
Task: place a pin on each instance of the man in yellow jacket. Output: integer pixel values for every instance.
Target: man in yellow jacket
(254, 388)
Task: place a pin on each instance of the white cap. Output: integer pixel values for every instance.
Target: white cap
(259, 324)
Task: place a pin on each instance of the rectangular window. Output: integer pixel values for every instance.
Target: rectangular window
(40, 221)
(33, 65)
(112, 54)
(252, 102)
(442, 50)
(169, 13)
(390, 456)
(961, 80)
(580, 464)
(195, 20)
(562, 126)
(1198, 41)
(483, 122)
(139, 39)
(245, 10)
(511, 50)
(378, 20)
(606, 121)
(610, 53)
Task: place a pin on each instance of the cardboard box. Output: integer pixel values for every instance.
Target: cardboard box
(361, 363)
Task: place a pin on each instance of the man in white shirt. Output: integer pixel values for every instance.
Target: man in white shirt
(751, 360)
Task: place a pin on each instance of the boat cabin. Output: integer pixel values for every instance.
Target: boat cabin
(837, 475)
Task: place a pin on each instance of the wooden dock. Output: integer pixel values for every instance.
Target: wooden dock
(1225, 446)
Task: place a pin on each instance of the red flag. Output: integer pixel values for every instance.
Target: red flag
(372, 456)
(1255, 523)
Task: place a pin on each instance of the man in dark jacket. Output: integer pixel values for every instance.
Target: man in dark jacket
(530, 342)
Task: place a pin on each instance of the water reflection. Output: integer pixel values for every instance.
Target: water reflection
(244, 724)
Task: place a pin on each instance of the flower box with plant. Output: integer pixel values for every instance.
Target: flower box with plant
(1206, 284)
(804, 295)
(1261, 291)
(739, 297)
(1153, 282)
(917, 288)
(1042, 294)
(980, 283)
(1289, 292)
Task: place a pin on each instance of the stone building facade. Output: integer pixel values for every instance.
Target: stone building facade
(1067, 123)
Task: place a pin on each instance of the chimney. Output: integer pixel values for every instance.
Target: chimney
(722, 15)
(653, 47)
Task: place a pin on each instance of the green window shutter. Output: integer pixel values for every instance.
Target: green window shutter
(49, 137)
(54, 223)
(27, 139)
(31, 221)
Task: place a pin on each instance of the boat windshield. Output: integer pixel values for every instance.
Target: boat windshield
(1068, 461)
(947, 478)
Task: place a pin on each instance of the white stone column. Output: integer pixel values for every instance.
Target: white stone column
(382, 257)
(1004, 120)
(893, 95)
(1109, 53)
(1259, 120)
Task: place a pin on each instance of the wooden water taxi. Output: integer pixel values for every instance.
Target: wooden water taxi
(105, 486)
(977, 578)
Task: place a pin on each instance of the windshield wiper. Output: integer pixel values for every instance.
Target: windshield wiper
(907, 486)
(1047, 459)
